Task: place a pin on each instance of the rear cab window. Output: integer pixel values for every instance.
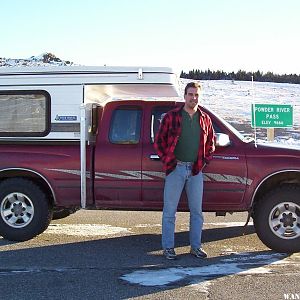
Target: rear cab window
(125, 126)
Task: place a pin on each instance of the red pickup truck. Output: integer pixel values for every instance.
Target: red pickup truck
(124, 172)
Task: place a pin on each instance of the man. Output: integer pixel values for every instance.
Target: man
(185, 143)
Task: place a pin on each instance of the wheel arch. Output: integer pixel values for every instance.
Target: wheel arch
(34, 176)
(275, 179)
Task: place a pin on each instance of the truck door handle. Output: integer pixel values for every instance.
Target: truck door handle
(154, 157)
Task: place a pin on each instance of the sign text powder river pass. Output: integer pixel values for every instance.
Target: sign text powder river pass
(272, 115)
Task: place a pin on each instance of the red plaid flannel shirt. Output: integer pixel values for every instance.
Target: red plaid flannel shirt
(169, 133)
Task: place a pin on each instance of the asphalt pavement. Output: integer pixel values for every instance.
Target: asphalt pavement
(117, 255)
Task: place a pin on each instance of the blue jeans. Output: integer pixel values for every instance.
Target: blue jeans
(174, 184)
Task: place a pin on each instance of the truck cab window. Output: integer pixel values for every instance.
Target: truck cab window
(125, 127)
(156, 117)
(216, 128)
(24, 113)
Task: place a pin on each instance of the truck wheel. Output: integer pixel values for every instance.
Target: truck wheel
(24, 209)
(277, 219)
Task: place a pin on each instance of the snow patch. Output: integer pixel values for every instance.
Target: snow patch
(228, 224)
(244, 264)
(147, 225)
(85, 229)
(202, 285)
(155, 278)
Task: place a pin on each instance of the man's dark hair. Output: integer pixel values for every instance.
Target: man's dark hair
(193, 85)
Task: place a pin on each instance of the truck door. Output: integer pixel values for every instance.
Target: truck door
(118, 157)
(153, 175)
(224, 178)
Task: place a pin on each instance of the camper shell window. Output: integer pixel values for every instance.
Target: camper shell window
(24, 113)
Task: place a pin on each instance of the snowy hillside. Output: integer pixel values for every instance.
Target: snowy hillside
(45, 59)
(232, 101)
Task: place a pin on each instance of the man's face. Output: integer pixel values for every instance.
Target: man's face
(191, 97)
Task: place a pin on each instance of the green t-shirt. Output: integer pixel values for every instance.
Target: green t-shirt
(188, 144)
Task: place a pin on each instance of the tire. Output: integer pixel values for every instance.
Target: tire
(277, 219)
(25, 210)
(61, 213)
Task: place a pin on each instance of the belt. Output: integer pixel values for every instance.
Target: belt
(179, 162)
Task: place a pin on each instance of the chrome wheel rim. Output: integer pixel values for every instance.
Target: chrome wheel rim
(284, 220)
(17, 210)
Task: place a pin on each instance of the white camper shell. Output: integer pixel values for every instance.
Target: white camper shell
(44, 103)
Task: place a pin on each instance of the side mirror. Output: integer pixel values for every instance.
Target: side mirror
(222, 140)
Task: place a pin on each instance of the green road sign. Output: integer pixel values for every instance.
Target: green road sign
(272, 115)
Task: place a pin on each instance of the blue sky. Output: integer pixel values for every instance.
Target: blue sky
(218, 34)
